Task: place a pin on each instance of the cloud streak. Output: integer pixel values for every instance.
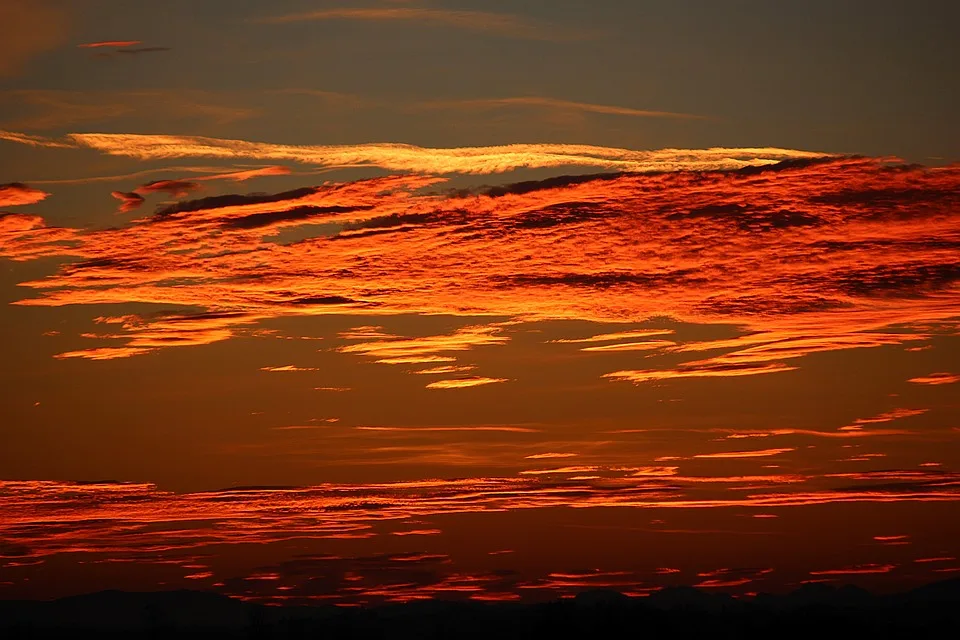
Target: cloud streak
(109, 44)
(404, 157)
(554, 104)
(500, 24)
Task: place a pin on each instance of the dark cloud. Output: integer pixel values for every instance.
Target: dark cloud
(258, 220)
(139, 50)
(233, 200)
(129, 200)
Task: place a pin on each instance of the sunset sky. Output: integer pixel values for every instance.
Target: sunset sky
(363, 302)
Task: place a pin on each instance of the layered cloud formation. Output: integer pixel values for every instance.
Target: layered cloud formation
(807, 255)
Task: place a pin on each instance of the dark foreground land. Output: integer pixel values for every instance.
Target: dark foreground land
(814, 611)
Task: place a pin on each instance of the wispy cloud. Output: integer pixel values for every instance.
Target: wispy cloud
(856, 569)
(936, 378)
(34, 141)
(463, 383)
(404, 157)
(288, 367)
(501, 24)
(109, 44)
(620, 335)
(761, 453)
(51, 519)
(51, 109)
(553, 104)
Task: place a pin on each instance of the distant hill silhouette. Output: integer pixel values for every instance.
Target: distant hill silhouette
(814, 611)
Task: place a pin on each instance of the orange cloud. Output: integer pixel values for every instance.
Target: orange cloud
(822, 258)
(104, 353)
(936, 378)
(647, 345)
(110, 43)
(390, 349)
(763, 453)
(15, 194)
(129, 201)
(887, 416)
(173, 188)
(98, 517)
(249, 174)
(462, 383)
(403, 157)
(445, 370)
(621, 335)
(538, 456)
(502, 429)
(697, 371)
(574, 469)
(33, 141)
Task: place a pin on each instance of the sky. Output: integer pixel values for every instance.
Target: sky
(352, 303)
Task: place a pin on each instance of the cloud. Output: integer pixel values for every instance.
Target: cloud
(645, 345)
(887, 416)
(856, 569)
(473, 428)
(139, 50)
(181, 188)
(249, 174)
(538, 456)
(51, 109)
(463, 383)
(390, 349)
(696, 371)
(604, 249)
(15, 194)
(760, 353)
(139, 522)
(34, 141)
(501, 24)
(553, 104)
(442, 370)
(26, 237)
(288, 367)
(403, 157)
(145, 334)
(173, 188)
(132, 200)
(936, 378)
(620, 335)
(28, 28)
(104, 353)
(109, 43)
(427, 349)
(120, 48)
(762, 453)
(129, 200)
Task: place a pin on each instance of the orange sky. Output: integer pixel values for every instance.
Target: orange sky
(550, 351)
